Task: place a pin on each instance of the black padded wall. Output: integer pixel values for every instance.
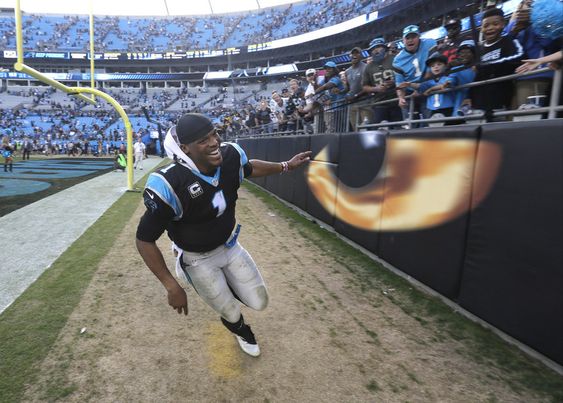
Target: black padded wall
(428, 184)
(272, 182)
(475, 212)
(359, 170)
(293, 187)
(259, 152)
(326, 147)
(513, 271)
(321, 199)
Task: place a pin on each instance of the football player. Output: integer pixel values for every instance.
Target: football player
(194, 199)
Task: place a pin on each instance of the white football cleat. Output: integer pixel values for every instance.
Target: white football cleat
(248, 348)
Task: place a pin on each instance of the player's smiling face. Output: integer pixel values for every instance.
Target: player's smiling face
(205, 152)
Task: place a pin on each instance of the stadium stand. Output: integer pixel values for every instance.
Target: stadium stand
(225, 100)
(66, 33)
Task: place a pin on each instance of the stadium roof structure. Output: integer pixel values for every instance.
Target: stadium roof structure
(144, 8)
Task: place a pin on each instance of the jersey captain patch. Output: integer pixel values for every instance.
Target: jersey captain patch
(197, 215)
(195, 190)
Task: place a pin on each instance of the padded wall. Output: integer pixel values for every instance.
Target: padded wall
(293, 185)
(321, 196)
(272, 182)
(255, 149)
(513, 272)
(360, 173)
(427, 188)
(475, 212)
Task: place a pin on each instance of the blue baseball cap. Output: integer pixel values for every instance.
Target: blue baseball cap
(436, 57)
(377, 42)
(467, 44)
(411, 29)
(330, 64)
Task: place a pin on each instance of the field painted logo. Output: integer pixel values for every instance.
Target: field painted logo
(34, 176)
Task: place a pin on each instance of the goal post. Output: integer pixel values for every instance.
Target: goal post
(77, 91)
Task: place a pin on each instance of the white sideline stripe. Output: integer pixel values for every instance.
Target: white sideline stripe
(34, 236)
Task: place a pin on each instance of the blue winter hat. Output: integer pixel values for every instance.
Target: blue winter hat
(330, 64)
(411, 29)
(377, 42)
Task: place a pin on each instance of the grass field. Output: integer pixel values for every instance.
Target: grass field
(485, 346)
(30, 326)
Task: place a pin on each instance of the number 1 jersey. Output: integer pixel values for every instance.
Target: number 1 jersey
(197, 211)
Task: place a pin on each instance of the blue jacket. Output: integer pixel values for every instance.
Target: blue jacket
(437, 101)
(535, 47)
(412, 66)
(459, 76)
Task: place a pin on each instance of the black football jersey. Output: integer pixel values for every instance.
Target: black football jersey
(197, 210)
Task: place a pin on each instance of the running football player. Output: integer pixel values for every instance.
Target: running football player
(194, 199)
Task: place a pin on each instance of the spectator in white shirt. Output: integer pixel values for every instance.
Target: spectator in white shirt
(139, 153)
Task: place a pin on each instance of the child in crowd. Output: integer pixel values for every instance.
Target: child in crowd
(500, 55)
(460, 75)
(463, 74)
(442, 103)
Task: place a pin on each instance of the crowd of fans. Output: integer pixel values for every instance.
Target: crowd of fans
(418, 82)
(130, 34)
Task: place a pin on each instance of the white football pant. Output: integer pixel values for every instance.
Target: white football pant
(212, 273)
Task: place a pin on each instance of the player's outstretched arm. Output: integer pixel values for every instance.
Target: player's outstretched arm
(265, 168)
(153, 258)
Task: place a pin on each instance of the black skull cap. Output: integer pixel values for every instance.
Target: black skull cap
(192, 127)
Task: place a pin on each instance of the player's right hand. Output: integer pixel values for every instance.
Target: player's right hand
(178, 300)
